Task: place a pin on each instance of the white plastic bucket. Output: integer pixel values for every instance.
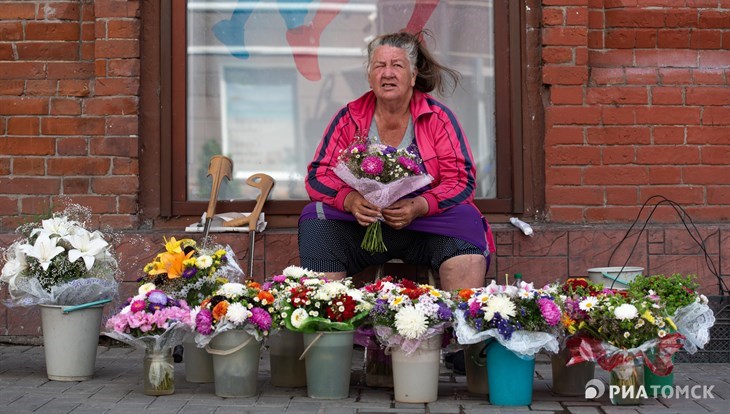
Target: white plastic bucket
(70, 341)
(416, 375)
(198, 363)
(235, 363)
(614, 277)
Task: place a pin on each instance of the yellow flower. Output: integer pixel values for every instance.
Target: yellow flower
(189, 262)
(435, 293)
(671, 323)
(647, 315)
(220, 253)
(172, 245)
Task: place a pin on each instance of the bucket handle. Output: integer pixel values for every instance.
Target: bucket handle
(68, 309)
(228, 351)
(319, 335)
(615, 279)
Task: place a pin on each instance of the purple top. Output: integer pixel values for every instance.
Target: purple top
(462, 221)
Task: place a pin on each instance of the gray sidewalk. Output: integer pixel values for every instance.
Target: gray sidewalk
(117, 388)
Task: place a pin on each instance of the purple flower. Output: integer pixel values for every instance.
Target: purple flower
(204, 322)
(444, 312)
(372, 165)
(359, 148)
(157, 297)
(550, 311)
(389, 150)
(137, 306)
(189, 272)
(409, 164)
(279, 278)
(261, 319)
(267, 286)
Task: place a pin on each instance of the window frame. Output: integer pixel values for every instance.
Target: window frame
(163, 46)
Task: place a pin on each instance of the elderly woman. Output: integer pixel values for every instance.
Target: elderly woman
(438, 226)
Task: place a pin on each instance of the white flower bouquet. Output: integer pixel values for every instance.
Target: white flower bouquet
(406, 314)
(59, 262)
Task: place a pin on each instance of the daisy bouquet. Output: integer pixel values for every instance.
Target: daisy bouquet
(243, 306)
(59, 261)
(679, 296)
(383, 175)
(570, 295)
(186, 271)
(621, 330)
(279, 285)
(318, 304)
(522, 318)
(405, 314)
(155, 322)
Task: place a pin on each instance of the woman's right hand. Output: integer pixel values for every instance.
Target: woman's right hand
(364, 212)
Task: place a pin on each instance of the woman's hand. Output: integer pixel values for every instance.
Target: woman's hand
(401, 213)
(364, 212)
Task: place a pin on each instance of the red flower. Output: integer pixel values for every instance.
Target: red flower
(342, 309)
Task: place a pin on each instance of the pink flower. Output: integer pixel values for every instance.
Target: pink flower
(372, 165)
(137, 306)
(549, 310)
(279, 278)
(409, 164)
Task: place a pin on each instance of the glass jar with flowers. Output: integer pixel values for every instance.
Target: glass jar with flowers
(517, 321)
(155, 322)
(232, 325)
(185, 270)
(618, 334)
(70, 271)
(327, 312)
(410, 319)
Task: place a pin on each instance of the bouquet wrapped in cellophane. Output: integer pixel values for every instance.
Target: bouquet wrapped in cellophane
(382, 175)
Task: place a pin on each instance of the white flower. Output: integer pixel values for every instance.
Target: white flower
(627, 334)
(702, 299)
(15, 262)
(501, 304)
(296, 272)
(662, 333)
(313, 282)
(428, 309)
(231, 290)
(60, 226)
(146, 288)
(410, 323)
(44, 250)
(237, 313)
(626, 311)
(298, 317)
(355, 294)
(398, 301)
(204, 261)
(86, 246)
(525, 294)
(588, 303)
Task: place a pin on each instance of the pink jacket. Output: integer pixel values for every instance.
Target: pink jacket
(441, 142)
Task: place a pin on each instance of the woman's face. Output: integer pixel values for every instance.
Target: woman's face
(390, 75)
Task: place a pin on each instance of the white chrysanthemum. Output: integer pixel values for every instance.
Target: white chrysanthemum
(355, 294)
(428, 309)
(204, 262)
(333, 289)
(295, 272)
(231, 290)
(194, 314)
(387, 286)
(298, 317)
(146, 288)
(410, 323)
(588, 303)
(237, 313)
(626, 311)
(501, 304)
(313, 282)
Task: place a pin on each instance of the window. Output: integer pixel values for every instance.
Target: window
(258, 81)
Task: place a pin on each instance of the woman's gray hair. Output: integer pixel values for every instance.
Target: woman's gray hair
(429, 72)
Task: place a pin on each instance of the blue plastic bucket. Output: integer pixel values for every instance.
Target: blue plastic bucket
(510, 377)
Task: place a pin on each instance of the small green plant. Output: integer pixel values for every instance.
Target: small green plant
(673, 292)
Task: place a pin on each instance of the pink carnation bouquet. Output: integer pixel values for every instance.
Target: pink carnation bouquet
(383, 175)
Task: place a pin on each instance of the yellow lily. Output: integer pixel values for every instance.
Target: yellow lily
(648, 317)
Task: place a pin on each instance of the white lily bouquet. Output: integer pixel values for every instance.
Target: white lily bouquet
(59, 262)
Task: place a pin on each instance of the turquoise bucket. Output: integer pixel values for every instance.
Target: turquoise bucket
(510, 377)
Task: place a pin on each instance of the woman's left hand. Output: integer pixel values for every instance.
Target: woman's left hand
(401, 213)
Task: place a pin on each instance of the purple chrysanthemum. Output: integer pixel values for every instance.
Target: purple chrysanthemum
(359, 148)
(204, 322)
(409, 164)
(372, 165)
(389, 150)
(279, 278)
(189, 272)
(444, 312)
(261, 319)
(157, 297)
(550, 311)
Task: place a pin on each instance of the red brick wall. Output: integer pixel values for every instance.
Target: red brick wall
(69, 80)
(639, 105)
